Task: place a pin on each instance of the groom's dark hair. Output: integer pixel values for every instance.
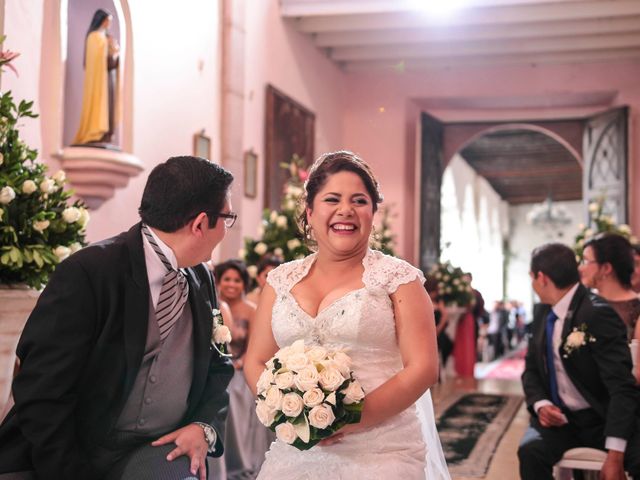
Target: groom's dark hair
(556, 261)
(180, 189)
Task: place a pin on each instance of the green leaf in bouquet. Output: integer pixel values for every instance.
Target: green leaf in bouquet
(302, 429)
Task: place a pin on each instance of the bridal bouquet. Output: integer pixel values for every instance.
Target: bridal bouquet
(307, 393)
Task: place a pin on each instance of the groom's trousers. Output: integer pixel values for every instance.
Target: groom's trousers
(541, 448)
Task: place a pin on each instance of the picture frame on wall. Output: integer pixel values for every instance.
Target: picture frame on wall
(202, 145)
(250, 174)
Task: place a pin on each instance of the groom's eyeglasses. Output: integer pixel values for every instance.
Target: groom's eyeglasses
(229, 218)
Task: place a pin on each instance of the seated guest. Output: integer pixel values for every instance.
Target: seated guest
(246, 440)
(264, 267)
(607, 266)
(580, 391)
(117, 376)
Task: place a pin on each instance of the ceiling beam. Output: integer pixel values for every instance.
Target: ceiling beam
(490, 15)
(489, 47)
(411, 65)
(472, 33)
(306, 8)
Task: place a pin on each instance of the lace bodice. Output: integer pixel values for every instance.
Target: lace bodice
(361, 322)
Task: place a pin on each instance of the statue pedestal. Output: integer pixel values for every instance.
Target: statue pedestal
(95, 173)
(15, 306)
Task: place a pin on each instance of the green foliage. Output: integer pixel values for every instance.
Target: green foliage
(599, 222)
(279, 235)
(37, 227)
(453, 286)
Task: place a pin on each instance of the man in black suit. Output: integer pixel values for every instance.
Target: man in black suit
(119, 376)
(577, 379)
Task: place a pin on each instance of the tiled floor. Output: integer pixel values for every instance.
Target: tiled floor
(504, 465)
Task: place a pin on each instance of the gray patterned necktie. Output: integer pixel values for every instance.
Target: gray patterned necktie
(173, 294)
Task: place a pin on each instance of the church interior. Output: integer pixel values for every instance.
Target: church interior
(493, 127)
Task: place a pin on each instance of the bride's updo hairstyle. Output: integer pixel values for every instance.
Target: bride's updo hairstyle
(330, 164)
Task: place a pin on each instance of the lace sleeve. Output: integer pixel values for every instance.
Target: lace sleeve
(388, 273)
(276, 277)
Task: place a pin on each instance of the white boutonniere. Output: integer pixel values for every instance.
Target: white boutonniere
(220, 334)
(578, 337)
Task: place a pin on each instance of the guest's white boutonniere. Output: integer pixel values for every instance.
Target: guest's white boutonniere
(220, 334)
(578, 337)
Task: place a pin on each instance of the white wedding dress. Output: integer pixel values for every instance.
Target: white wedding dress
(362, 323)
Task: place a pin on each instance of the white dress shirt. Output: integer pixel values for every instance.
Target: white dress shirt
(567, 391)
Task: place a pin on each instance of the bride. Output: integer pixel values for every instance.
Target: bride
(374, 307)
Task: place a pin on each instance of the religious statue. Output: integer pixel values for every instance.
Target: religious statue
(99, 99)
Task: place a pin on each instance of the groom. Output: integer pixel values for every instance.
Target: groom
(118, 376)
(580, 391)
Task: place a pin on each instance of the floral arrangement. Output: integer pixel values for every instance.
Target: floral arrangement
(599, 223)
(220, 334)
(307, 393)
(578, 337)
(278, 231)
(453, 286)
(38, 228)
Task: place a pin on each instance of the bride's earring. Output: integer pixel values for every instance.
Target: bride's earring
(307, 231)
(376, 235)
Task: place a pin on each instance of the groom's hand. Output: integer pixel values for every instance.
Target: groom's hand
(551, 416)
(190, 441)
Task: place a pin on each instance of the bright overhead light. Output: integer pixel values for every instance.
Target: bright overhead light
(439, 9)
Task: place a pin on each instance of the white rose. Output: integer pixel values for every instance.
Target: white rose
(252, 270)
(313, 397)
(293, 244)
(40, 225)
(6, 195)
(265, 414)
(84, 217)
(273, 216)
(292, 405)
(588, 233)
(581, 226)
(281, 221)
(285, 432)
(261, 248)
(283, 354)
(48, 186)
(60, 177)
(296, 361)
(222, 334)
(273, 397)
(242, 253)
(331, 379)
(624, 229)
(264, 382)
(75, 247)
(316, 353)
(321, 416)
(1, 158)
(278, 252)
(307, 378)
(576, 339)
(284, 380)
(290, 204)
(342, 361)
(61, 252)
(593, 207)
(71, 214)
(28, 187)
(353, 393)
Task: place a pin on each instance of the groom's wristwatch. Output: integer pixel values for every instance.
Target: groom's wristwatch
(209, 435)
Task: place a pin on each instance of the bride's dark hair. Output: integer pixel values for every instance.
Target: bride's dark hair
(327, 165)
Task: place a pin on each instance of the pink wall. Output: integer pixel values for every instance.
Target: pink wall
(387, 139)
(276, 54)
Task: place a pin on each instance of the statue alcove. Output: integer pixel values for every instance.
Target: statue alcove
(96, 169)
